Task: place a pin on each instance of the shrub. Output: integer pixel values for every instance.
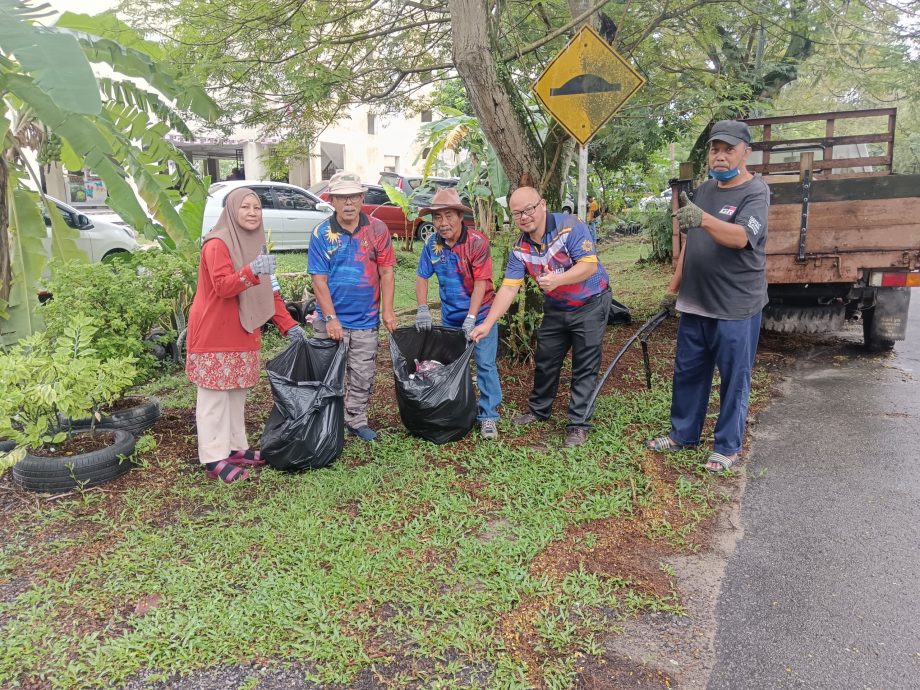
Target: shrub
(52, 373)
(658, 227)
(124, 300)
(294, 286)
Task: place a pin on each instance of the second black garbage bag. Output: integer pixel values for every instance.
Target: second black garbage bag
(437, 403)
(306, 428)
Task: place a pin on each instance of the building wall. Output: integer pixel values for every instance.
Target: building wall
(366, 153)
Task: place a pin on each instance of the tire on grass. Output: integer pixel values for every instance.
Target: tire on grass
(57, 475)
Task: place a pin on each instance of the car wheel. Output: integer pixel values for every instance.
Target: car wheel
(115, 254)
(424, 231)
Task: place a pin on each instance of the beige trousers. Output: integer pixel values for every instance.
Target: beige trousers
(221, 420)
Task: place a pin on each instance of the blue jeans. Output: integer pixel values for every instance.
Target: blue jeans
(490, 390)
(702, 345)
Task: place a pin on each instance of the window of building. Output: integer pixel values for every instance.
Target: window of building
(390, 163)
(371, 123)
(426, 116)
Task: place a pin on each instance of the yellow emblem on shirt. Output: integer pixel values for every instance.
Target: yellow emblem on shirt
(587, 245)
(332, 237)
(437, 248)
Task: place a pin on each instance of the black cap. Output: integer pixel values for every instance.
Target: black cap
(730, 131)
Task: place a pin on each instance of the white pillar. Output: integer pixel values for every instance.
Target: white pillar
(252, 160)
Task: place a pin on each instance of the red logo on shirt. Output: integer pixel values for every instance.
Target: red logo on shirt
(728, 210)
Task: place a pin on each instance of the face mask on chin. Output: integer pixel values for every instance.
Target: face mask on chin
(724, 175)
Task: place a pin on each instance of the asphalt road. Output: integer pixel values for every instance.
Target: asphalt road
(823, 589)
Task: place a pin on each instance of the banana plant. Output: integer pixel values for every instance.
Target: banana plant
(481, 175)
(116, 126)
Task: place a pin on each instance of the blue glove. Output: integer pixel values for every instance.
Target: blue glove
(469, 323)
(423, 318)
(263, 264)
(295, 334)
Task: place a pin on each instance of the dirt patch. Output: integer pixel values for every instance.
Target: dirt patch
(78, 444)
(622, 673)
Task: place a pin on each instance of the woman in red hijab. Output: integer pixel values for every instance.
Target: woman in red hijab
(234, 298)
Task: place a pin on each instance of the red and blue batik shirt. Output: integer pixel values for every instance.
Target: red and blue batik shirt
(351, 261)
(567, 241)
(458, 268)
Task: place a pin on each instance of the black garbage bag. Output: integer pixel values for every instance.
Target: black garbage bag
(306, 428)
(619, 314)
(439, 405)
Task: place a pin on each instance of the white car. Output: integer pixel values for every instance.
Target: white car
(289, 213)
(100, 239)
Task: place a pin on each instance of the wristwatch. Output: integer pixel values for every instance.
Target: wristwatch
(328, 317)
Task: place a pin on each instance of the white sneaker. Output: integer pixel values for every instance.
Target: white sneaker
(489, 429)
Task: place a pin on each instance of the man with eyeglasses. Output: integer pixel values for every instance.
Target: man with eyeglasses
(557, 251)
(351, 264)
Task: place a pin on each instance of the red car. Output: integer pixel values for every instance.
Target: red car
(377, 205)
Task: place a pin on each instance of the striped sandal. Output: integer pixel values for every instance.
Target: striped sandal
(226, 472)
(663, 444)
(245, 458)
(724, 462)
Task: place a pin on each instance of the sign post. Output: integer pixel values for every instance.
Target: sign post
(582, 87)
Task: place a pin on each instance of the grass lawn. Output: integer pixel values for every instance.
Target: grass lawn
(471, 565)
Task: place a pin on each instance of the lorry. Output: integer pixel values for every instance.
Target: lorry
(843, 240)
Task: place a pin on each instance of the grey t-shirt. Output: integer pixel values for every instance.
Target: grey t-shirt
(718, 281)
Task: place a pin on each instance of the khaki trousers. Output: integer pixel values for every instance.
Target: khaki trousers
(221, 420)
(360, 367)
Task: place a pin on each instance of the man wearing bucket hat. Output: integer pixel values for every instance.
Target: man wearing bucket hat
(722, 290)
(461, 259)
(351, 263)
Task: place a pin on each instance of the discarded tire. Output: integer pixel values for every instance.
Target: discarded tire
(135, 420)
(6, 446)
(57, 475)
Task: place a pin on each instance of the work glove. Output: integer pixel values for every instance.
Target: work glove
(423, 318)
(295, 334)
(469, 323)
(263, 264)
(669, 303)
(689, 215)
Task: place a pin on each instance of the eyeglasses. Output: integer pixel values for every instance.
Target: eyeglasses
(526, 211)
(347, 197)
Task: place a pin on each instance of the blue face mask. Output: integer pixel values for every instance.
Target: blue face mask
(724, 175)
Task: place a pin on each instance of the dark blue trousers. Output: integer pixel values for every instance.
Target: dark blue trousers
(702, 345)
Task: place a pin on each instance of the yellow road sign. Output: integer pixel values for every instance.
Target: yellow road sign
(585, 84)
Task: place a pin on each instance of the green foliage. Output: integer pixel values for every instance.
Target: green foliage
(399, 198)
(658, 227)
(294, 287)
(482, 177)
(111, 125)
(124, 300)
(54, 373)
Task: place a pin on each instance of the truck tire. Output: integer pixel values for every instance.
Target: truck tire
(871, 338)
(784, 318)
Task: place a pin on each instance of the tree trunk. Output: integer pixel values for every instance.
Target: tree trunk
(491, 94)
(6, 275)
